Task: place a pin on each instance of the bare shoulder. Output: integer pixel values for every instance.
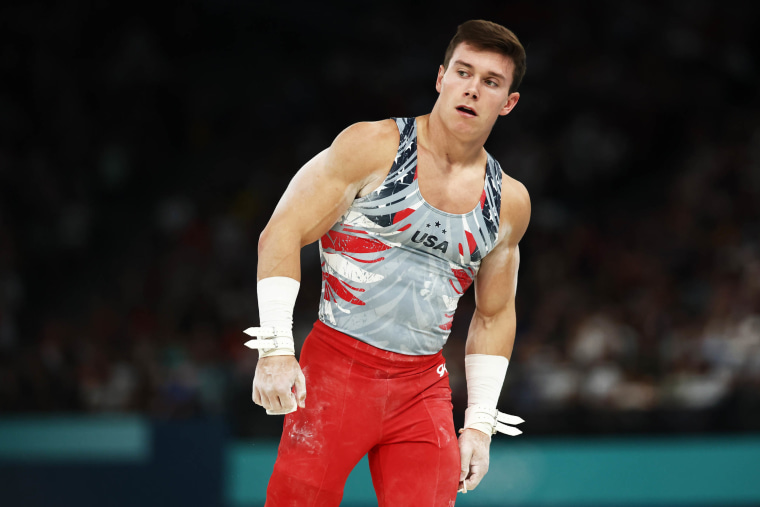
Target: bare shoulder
(365, 149)
(515, 209)
(369, 132)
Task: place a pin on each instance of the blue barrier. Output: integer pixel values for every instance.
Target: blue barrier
(124, 439)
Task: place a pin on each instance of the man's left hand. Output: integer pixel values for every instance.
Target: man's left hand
(474, 447)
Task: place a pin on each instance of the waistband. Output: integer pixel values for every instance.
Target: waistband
(391, 362)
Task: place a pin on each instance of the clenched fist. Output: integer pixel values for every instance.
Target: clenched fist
(273, 384)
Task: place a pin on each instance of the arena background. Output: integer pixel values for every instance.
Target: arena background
(144, 146)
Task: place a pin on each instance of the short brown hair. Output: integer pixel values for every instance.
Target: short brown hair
(488, 36)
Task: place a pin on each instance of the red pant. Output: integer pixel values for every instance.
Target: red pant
(361, 399)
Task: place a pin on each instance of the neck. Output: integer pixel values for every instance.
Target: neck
(454, 147)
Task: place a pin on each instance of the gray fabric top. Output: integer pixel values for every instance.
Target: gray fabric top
(394, 267)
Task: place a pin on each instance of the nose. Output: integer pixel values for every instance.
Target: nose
(472, 92)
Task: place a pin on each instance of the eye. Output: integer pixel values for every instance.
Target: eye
(492, 83)
(462, 73)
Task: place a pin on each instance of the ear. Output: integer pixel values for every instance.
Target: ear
(439, 79)
(510, 104)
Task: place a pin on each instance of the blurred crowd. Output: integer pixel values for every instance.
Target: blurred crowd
(142, 152)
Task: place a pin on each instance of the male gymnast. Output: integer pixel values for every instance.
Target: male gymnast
(408, 212)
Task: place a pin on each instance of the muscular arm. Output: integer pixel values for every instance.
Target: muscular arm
(321, 192)
(492, 329)
(315, 199)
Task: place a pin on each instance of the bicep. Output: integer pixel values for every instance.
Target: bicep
(316, 197)
(496, 283)
(324, 188)
(492, 329)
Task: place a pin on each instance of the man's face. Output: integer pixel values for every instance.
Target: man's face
(474, 89)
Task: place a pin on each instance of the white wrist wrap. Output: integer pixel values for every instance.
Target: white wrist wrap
(277, 298)
(485, 376)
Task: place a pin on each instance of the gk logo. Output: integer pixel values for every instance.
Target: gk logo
(441, 370)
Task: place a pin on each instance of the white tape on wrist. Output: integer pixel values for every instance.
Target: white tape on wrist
(485, 376)
(490, 421)
(277, 298)
(269, 338)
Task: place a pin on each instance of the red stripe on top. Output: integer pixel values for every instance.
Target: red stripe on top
(354, 231)
(339, 288)
(402, 215)
(344, 243)
(463, 278)
(471, 242)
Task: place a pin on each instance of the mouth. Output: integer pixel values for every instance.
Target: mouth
(468, 111)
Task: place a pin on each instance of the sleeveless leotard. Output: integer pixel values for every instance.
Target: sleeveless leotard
(394, 267)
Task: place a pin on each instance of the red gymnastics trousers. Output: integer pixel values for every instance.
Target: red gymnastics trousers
(364, 400)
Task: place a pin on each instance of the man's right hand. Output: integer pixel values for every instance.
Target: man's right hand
(273, 384)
